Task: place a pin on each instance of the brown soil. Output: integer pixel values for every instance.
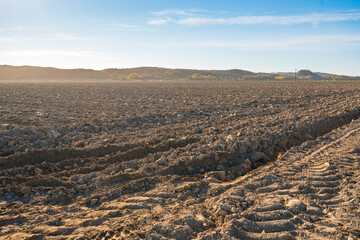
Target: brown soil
(179, 160)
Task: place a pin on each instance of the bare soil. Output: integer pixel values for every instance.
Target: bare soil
(179, 160)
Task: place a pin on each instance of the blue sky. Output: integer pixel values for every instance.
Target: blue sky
(257, 35)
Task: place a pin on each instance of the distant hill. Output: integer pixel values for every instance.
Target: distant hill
(29, 73)
(8, 72)
(308, 74)
(324, 74)
(284, 73)
(293, 73)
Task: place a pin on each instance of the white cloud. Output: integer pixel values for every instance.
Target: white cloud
(126, 27)
(160, 21)
(314, 18)
(19, 29)
(52, 53)
(49, 37)
(283, 44)
(69, 37)
(190, 12)
(22, 39)
(171, 15)
(121, 25)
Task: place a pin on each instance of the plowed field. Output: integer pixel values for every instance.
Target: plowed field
(179, 160)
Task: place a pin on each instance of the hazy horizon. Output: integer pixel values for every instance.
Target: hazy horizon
(200, 69)
(258, 36)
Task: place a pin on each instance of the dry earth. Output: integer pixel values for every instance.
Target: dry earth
(162, 160)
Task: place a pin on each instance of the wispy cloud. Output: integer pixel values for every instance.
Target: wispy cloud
(121, 25)
(189, 12)
(48, 37)
(285, 44)
(302, 43)
(19, 29)
(53, 53)
(160, 21)
(313, 18)
(127, 27)
(69, 37)
(172, 15)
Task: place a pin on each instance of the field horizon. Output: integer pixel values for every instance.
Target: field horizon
(8, 72)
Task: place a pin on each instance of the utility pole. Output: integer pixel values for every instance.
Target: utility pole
(295, 74)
